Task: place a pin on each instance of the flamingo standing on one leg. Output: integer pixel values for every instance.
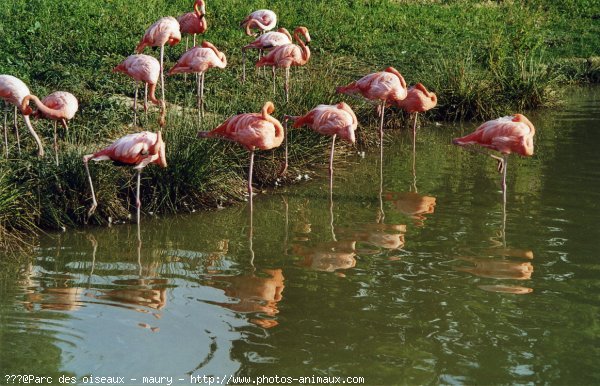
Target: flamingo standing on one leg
(142, 68)
(199, 60)
(287, 56)
(387, 86)
(251, 130)
(165, 30)
(58, 106)
(418, 100)
(511, 134)
(137, 150)
(13, 91)
(193, 23)
(265, 42)
(331, 120)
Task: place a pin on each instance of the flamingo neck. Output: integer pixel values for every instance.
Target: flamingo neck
(152, 93)
(303, 46)
(46, 111)
(199, 9)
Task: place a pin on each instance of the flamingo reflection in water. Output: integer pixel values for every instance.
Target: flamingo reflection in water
(255, 294)
(501, 263)
(55, 293)
(381, 236)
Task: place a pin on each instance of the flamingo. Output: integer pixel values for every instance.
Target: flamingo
(331, 120)
(418, 100)
(287, 56)
(263, 20)
(251, 130)
(142, 68)
(200, 59)
(137, 150)
(58, 106)
(164, 30)
(14, 91)
(193, 23)
(265, 42)
(387, 86)
(510, 134)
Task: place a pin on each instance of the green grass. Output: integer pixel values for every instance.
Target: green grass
(483, 59)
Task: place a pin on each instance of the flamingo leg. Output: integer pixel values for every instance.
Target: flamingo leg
(202, 94)
(187, 39)
(250, 169)
(243, 65)
(162, 84)
(198, 98)
(55, 143)
(87, 169)
(138, 203)
(135, 104)
(35, 136)
(273, 71)
(381, 123)
(331, 162)
(331, 210)
(287, 84)
(504, 163)
(285, 127)
(194, 40)
(415, 133)
(17, 132)
(5, 134)
(146, 99)
(381, 134)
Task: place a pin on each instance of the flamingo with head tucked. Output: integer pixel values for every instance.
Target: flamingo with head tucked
(418, 100)
(288, 55)
(252, 131)
(142, 68)
(262, 20)
(265, 42)
(199, 60)
(14, 91)
(506, 135)
(193, 23)
(386, 86)
(137, 150)
(58, 106)
(330, 120)
(164, 31)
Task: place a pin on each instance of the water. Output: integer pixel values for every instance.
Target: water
(431, 281)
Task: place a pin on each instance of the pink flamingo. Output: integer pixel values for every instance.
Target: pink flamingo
(165, 30)
(387, 86)
(418, 100)
(193, 23)
(510, 134)
(14, 91)
(142, 68)
(263, 20)
(265, 42)
(251, 130)
(137, 150)
(287, 56)
(58, 106)
(199, 60)
(331, 120)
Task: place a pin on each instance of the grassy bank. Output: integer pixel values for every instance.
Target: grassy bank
(483, 59)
